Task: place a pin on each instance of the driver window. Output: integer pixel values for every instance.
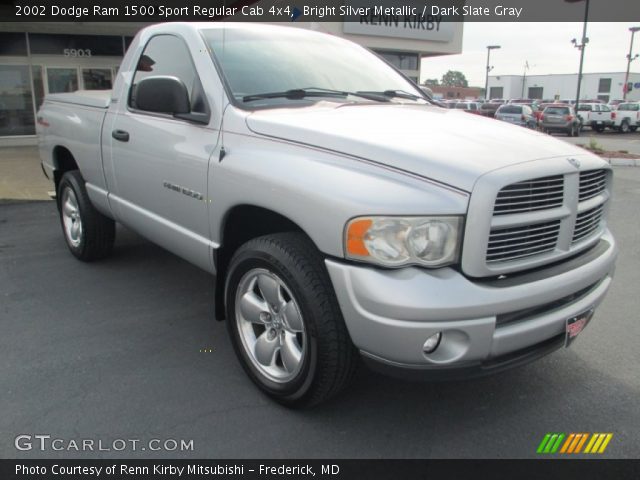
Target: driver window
(168, 55)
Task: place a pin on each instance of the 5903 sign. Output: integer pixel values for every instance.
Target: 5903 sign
(77, 52)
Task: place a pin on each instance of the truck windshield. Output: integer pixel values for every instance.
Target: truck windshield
(268, 67)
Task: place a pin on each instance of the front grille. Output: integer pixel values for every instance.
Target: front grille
(537, 194)
(587, 223)
(592, 183)
(519, 242)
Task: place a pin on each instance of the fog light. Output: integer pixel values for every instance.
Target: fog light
(432, 343)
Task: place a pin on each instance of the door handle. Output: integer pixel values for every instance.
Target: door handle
(120, 135)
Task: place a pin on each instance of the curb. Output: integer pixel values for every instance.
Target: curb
(623, 162)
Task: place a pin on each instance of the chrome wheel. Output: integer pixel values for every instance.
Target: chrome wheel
(270, 325)
(71, 218)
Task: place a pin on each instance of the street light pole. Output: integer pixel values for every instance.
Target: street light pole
(486, 79)
(582, 46)
(633, 31)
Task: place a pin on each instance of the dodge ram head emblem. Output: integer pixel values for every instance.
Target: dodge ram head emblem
(574, 162)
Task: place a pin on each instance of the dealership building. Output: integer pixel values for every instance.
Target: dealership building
(602, 86)
(41, 58)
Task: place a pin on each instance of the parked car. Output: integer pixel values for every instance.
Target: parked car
(413, 240)
(517, 114)
(613, 104)
(560, 118)
(627, 117)
(489, 109)
(471, 107)
(598, 116)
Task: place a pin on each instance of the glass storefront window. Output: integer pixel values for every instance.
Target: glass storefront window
(402, 61)
(61, 80)
(96, 78)
(16, 103)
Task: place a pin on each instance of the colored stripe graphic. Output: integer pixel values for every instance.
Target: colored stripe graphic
(573, 443)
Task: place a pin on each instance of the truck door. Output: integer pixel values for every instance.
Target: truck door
(160, 163)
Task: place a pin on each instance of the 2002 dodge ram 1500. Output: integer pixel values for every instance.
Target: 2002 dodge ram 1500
(343, 214)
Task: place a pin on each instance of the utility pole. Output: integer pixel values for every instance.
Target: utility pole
(581, 47)
(630, 59)
(489, 68)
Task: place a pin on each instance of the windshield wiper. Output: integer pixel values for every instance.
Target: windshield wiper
(396, 94)
(301, 93)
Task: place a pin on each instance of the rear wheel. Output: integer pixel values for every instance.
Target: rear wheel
(89, 234)
(624, 127)
(284, 320)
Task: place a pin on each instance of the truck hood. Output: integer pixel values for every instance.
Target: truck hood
(449, 146)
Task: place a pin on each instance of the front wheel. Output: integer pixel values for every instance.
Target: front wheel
(285, 322)
(89, 234)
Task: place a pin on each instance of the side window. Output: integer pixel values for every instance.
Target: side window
(168, 55)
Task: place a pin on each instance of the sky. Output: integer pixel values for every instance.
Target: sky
(546, 47)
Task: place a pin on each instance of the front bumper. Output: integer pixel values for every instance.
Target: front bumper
(485, 324)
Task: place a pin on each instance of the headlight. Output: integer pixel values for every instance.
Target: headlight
(400, 241)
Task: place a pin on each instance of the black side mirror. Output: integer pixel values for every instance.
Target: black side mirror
(161, 94)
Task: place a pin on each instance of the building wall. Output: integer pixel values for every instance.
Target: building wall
(449, 93)
(564, 86)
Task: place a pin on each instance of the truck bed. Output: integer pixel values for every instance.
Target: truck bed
(87, 98)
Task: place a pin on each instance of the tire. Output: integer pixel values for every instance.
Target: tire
(299, 353)
(88, 234)
(633, 129)
(624, 126)
(599, 129)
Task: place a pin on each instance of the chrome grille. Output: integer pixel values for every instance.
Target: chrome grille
(587, 223)
(537, 194)
(592, 183)
(518, 242)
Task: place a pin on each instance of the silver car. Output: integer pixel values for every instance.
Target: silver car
(517, 114)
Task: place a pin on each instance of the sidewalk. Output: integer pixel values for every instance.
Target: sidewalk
(21, 177)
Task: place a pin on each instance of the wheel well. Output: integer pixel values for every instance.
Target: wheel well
(63, 162)
(241, 224)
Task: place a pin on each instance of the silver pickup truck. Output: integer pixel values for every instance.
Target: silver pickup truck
(343, 214)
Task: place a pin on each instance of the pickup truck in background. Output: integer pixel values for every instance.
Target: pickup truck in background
(598, 116)
(627, 117)
(343, 215)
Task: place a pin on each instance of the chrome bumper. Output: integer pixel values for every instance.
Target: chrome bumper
(391, 313)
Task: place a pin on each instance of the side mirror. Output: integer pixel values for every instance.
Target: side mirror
(161, 94)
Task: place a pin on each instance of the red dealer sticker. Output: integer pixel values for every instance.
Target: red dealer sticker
(576, 324)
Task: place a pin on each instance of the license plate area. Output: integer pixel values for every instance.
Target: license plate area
(575, 325)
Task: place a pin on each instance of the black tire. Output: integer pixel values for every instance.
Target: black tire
(633, 129)
(599, 129)
(624, 126)
(97, 233)
(329, 359)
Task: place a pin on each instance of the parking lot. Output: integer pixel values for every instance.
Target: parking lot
(127, 349)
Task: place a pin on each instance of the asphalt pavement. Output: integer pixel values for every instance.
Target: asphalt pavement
(609, 140)
(127, 349)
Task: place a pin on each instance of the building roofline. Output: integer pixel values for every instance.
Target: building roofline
(563, 74)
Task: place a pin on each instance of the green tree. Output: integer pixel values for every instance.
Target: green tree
(454, 78)
(431, 82)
